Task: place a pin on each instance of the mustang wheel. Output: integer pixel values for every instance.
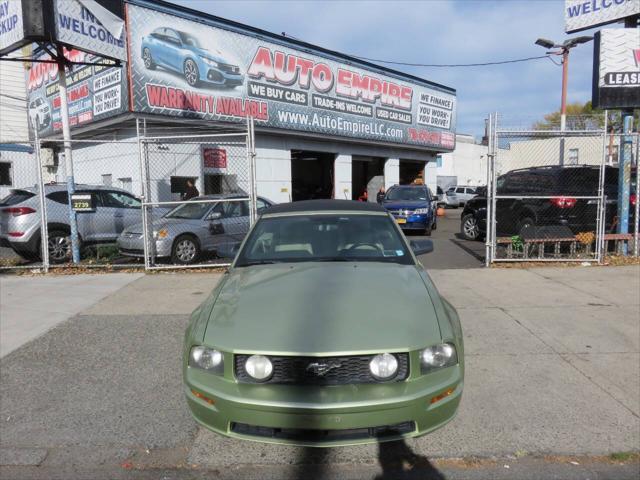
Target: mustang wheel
(148, 59)
(470, 230)
(186, 250)
(191, 73)
(59, 244)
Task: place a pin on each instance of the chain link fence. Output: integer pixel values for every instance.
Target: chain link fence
(553, 195)
(158, 201)
(20, 206)
(200, 200)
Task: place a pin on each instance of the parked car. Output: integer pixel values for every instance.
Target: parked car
(561, 184)
(115, 210)
(192, 228)
(412, 207)
(39, 113)
(302, 343)
(451, 199)
(462, 194)
(181, 52)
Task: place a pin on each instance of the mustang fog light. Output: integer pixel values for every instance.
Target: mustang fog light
(207, 359)
(258, 367)
(438, 356)
(383, 366)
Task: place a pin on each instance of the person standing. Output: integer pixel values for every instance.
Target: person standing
(380, 195)
(191, 191)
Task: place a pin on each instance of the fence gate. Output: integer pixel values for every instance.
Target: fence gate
(551, 194)
(179, 230)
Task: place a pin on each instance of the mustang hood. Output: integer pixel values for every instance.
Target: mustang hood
(323, 308)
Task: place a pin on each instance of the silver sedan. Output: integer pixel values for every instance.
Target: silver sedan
(192, 228)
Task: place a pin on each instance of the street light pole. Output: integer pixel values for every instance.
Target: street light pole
(565, 78)
(565, 47)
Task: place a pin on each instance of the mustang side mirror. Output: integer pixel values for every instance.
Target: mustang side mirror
(228, 250)
(421, 247)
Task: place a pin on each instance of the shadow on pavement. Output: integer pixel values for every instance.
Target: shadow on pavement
(312, 464)
(399, 462)
(464, 247)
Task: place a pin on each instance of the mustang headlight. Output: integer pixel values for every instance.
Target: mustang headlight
(258, 367)
(208, 61)
(383, 366)
(438, 356)
(421, 211)
(207, 359)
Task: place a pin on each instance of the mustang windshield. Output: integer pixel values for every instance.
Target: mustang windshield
(325, 238)
(409, 194)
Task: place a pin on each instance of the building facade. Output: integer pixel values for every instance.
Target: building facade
(327, 125)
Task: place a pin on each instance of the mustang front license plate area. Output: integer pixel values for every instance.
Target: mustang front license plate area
(401, 220)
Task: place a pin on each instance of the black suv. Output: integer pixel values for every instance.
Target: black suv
(561, 184)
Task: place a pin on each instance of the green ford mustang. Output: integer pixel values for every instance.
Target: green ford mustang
(325, 331)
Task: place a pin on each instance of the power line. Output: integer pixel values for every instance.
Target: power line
(438, 65)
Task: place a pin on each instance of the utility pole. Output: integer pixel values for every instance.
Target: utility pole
(68, 158)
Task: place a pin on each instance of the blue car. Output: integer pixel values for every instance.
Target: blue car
(412, 207)
(182, 53)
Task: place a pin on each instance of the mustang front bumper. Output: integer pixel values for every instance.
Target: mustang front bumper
(324, 415)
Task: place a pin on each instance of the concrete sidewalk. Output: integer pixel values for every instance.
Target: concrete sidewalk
(553, 367)
(32, 305)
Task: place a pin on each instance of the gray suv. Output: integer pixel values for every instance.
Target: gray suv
(115, 210)
(201, 224)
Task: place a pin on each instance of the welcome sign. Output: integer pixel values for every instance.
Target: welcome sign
(584, 14)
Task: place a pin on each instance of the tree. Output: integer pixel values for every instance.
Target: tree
(585, 117)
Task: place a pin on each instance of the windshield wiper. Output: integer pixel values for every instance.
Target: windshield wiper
(331, 259)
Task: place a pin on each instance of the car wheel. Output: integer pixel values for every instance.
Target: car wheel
(427, 231)
(435, 225)
(59, 244)
(525, 223)
(469, 227)
(191, 73)
(148, 59)
(185, 250)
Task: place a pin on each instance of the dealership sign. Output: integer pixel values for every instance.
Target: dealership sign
(94, 92)
(87, 25)
(616, 82)
(11, 26)
(585, 14)
(185, 68)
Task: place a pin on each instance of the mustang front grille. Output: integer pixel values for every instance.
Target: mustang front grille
(322, 370)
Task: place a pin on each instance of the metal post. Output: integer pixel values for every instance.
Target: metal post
(490, 157)
(143, 196)
(624, 176)
(44, 230)
(602, 199)
(494, 189)
(563, 101)
(636, 227)
(253, 213)
(68, 159)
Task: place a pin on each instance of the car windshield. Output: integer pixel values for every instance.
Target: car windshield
(190, 211)
(325, 238)
(189, 39)
(407, 194)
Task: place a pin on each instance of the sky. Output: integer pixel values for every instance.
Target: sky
(437, 32)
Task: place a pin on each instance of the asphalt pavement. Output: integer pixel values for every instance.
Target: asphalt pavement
(552, 387)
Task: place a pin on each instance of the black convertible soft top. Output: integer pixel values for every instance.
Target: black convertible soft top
(324, 205)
